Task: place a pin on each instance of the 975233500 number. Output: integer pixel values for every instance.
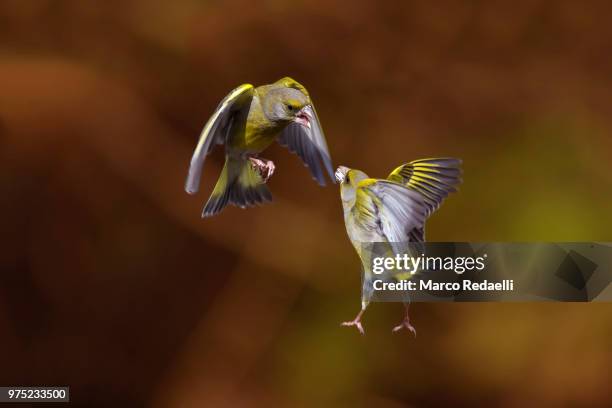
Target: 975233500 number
(33, 394)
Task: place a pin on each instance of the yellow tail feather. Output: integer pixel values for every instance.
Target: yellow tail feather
(239, 184)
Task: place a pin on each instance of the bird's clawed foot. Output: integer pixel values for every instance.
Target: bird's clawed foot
(355, 322)
(264, 167)
(405, 323)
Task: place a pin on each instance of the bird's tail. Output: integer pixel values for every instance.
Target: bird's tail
(239, 184)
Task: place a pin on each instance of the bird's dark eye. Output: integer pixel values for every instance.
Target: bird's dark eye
(347, 179)
(290, 107)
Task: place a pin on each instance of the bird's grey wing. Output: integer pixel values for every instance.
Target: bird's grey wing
(310, 145)
(215, 132)
(391, 209)
(399, 209)
(434, 179)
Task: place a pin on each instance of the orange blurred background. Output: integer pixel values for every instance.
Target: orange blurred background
(112, 284)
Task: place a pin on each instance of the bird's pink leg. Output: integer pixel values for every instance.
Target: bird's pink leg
(264, 167)
(405, 323)
(356, 322)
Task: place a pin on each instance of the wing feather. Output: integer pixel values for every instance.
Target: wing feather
(434, 179)
(310, 146)
(392, 208)
(215, 132)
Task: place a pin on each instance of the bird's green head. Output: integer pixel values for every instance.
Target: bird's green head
(287, 101)
(349, 179)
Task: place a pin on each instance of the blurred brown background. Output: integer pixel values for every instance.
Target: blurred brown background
(112, 284)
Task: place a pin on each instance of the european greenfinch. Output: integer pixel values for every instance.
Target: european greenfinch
(246, 122)
(393, 211)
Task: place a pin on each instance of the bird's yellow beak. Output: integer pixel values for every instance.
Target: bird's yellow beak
(340, 174)
(304, 116)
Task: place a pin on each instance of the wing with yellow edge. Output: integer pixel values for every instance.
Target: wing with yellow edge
(434, 178)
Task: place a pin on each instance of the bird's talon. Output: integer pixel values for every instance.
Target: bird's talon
(265, 168)
(270, 167)
(355, 323)
(405, 324)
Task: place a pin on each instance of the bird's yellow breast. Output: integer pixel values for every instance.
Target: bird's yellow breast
(253, 131)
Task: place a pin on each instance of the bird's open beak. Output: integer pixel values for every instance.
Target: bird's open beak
(304, 116)
(341, 173)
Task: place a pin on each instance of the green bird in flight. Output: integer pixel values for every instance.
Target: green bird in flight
(392, 212)
(246, 122)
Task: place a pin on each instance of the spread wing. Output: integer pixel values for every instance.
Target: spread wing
(310, 145)
(215, 132)
(434, 179)
(391, 208)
